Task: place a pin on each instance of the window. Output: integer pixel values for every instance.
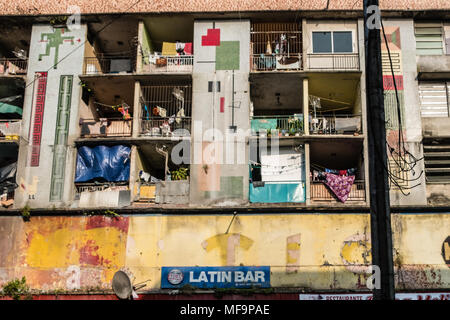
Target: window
(429, 38)
(434, 99)
(437, 162)
(332, 42)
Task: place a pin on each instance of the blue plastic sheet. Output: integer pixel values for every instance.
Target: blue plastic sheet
(277, 192)
(103, 163)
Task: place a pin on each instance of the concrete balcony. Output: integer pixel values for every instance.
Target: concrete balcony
(276, 62)
(106, 127)
(433, 67)
(167, 64)
(12, 67)
(320, 193)
(333, 62)
(10, 130)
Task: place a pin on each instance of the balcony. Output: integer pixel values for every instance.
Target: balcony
(166, 126)
(13, 66)
(276, 62)
(348, 61)
(166, 109)
(167, 64)
(103, 64)
(10, 130)
(106, 127)
(283, 126)
(320, 192)
(337, 124)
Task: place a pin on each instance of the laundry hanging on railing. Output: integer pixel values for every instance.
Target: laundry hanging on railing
(320, 175)
(338, 181)
(103, 163)
(341, 186)
(176, 48)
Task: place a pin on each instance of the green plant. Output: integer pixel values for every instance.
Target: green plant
(85, 86)
(295, 126)
(16, 289)
(26, 215)
(59, 20)
(180, 174)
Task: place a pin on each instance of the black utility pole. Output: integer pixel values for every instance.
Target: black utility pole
(380, 214)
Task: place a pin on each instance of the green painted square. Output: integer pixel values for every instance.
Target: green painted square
(227, 55)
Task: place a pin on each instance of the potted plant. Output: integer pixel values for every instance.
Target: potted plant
(59, 22)
(180, 174)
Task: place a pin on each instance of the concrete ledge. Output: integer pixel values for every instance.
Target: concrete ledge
(436, 127)
(433, 67)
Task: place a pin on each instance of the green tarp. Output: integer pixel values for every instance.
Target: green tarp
(9, 108)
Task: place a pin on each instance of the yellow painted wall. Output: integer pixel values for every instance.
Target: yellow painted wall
(314, 251)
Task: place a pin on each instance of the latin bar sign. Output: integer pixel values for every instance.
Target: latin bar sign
(215, 277)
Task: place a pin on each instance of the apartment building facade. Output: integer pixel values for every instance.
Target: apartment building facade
(172, 144)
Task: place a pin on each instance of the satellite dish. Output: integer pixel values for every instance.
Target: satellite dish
(123, 288)
(121, 285)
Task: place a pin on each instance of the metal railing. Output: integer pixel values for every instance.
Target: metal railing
(281, 125)
(106, 127)
(347, 61)
(320, 192)
(10, 129)
(166, 126)
(107, 65)
(13, 66)
(91, 186)
(338, 124)
(265, 62)
(167, 64)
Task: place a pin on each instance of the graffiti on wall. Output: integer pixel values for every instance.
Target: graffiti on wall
(38, 118)
(55, 40)
(317, 251)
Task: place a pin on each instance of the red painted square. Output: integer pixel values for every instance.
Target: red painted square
(212, 38)
(222, 104)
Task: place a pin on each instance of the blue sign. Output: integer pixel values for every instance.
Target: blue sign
(215, 277)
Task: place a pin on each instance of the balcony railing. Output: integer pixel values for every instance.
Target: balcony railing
(320, 192)
(166, 126)
(348, 61)
(180, 64)
(280, 125)
(282, 62)
(106, 127)
(92, 187)
(10, 129)
(108, 65)
(13, 66)
(338, 124)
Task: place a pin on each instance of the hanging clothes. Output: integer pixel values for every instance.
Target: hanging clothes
(169, 49)
(188, 48)
(341, 186)
(268, 48)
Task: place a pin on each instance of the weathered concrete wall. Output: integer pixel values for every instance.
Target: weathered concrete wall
(219, 161)
(314, 251)
(59, 52)
(402, 45)
(436, 127)
(433, 63)
(175, 192)
(438, 194)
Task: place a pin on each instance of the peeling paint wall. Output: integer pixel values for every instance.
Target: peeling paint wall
(317, 252)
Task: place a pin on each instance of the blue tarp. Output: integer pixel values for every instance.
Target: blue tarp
(277, 192)
(103, 163)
